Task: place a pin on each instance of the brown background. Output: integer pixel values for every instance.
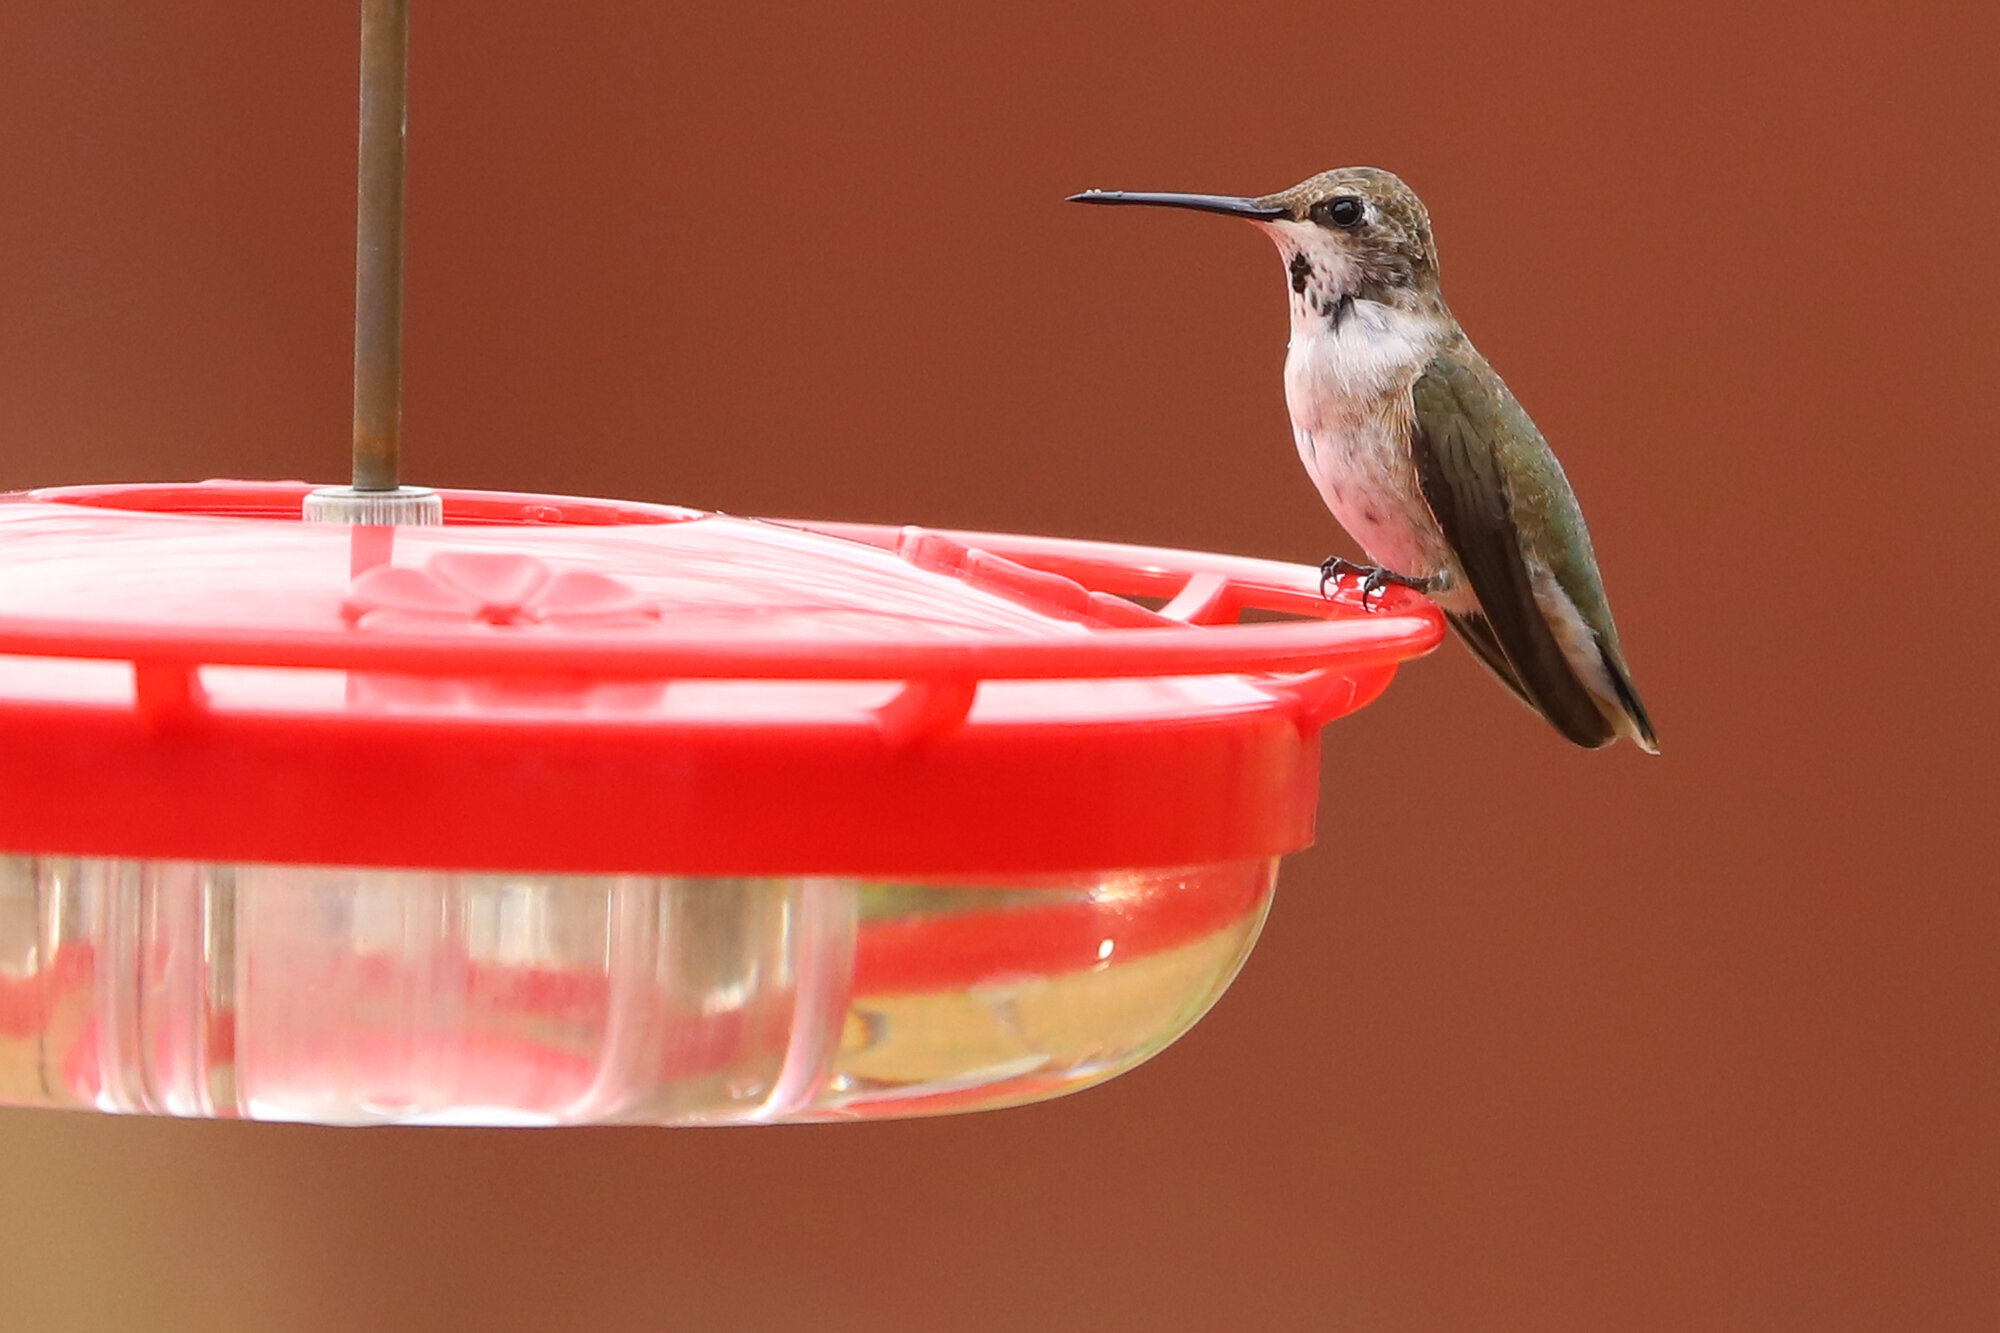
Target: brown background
(1537, 1039)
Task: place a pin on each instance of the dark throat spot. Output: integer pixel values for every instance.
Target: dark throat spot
(1302, 271)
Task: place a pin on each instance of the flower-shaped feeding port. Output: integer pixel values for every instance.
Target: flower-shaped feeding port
(468, 589)
(878, 821)
(477, 591)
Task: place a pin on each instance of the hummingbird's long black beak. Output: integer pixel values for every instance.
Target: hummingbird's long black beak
(1234, 205)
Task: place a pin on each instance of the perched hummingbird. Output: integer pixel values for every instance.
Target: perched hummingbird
(1423, 454)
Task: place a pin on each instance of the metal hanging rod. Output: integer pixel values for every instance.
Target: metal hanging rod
(377, 495)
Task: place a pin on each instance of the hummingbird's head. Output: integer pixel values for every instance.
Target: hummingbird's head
(1352, 234)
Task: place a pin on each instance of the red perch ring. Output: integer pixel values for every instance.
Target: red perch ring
(599, 687)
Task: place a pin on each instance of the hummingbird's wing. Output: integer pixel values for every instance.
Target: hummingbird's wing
(1497, 493)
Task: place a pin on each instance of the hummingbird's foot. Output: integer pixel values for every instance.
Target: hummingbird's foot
(1373, 578)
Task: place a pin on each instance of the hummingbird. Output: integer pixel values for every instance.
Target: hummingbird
(1423, 454)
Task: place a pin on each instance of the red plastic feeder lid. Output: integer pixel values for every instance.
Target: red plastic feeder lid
(565, 685)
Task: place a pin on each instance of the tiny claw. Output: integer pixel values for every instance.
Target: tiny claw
(1373, 578)
(1333, 567)
(1370, 585)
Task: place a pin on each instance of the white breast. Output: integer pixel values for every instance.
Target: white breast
(1378, 350)
(1347, 391)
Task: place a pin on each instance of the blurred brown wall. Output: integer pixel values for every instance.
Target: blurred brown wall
(1537, 1039)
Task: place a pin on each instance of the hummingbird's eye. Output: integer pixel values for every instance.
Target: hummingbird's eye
(1343, 211)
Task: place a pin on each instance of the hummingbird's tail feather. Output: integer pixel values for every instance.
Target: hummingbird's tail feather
(1561, 695)
(1628, 699)
(1545, 678)
(1477, 632)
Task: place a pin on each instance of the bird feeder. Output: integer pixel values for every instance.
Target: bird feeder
(381, 805)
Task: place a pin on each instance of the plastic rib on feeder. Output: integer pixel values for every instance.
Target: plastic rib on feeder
(530, 809)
